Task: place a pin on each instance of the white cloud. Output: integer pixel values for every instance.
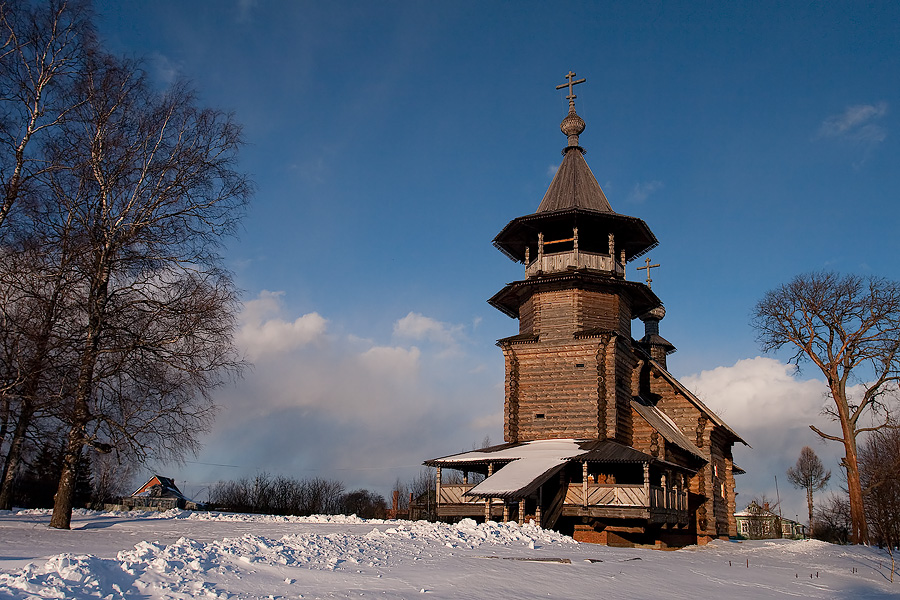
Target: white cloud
(392, 361)
(415, 326)
(551, 171)
(262, 331)
(327, 403)
(857, 125)
(642, 190)
(754, 389)
(856, 122)
(164, 69)
(771, 408)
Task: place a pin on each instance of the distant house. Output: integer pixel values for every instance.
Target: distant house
(159, 493)
(759, 522)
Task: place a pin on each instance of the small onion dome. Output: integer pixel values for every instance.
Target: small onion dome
(657, 314)
(572, 126)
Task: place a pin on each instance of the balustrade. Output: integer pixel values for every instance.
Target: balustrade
(561, 261)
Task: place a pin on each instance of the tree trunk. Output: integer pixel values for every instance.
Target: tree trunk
(64, 498)
(14, 456)
(65, 493)
(859, 531)
(4, 416)
(809, 502)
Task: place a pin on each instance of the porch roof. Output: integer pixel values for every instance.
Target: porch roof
(519, 478)
(527, 465)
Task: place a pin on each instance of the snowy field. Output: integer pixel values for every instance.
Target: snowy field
(181, 554)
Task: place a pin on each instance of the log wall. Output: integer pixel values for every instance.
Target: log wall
(715, 481)
(552, 390)
(568, 386)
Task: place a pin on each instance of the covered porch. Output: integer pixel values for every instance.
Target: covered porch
(601, 482)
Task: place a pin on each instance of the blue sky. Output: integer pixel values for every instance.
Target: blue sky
(390, 141)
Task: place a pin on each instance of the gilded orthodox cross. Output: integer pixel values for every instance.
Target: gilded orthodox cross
(648, 266)
(571, 97)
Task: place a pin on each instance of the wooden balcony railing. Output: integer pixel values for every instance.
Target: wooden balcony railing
(599, 494)
(602, 494)
(560, 261)
(452, 493)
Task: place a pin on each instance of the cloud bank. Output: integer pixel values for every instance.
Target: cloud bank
(772, 408)
(319, 402)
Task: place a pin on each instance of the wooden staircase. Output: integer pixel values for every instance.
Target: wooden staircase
(550, 516)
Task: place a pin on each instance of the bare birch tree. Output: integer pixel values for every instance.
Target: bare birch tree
(44, 45)
(809, 474)
(849, 328)
(42, 54)
(34, 297)
(151, 183)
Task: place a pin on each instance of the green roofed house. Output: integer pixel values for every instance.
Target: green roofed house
(602, 442)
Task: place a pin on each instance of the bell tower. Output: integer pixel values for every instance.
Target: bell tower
(569, 369)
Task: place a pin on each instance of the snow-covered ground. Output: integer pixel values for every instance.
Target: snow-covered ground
(208, 555)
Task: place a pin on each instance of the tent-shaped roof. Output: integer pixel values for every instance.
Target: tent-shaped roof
(574, 186)
(574, 198)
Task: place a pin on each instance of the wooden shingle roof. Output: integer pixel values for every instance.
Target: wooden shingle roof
(574, 186)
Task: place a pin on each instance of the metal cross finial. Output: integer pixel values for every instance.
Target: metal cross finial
(571, 97)
(648, 266)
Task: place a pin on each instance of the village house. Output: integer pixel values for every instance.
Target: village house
(761, 522)
(159, 493)
(601, 441)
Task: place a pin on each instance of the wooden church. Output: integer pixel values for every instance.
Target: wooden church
(602, 442)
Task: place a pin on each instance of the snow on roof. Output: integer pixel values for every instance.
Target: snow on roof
(560, 449)
(519, 474)
(531, 463)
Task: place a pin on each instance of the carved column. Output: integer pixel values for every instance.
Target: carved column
(437, 488)
(647, 482)
(584, 483)
(541, 251)
(511, 408)
(575, 245)
(665, 490)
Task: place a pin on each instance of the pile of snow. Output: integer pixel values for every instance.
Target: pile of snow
(180, 554)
